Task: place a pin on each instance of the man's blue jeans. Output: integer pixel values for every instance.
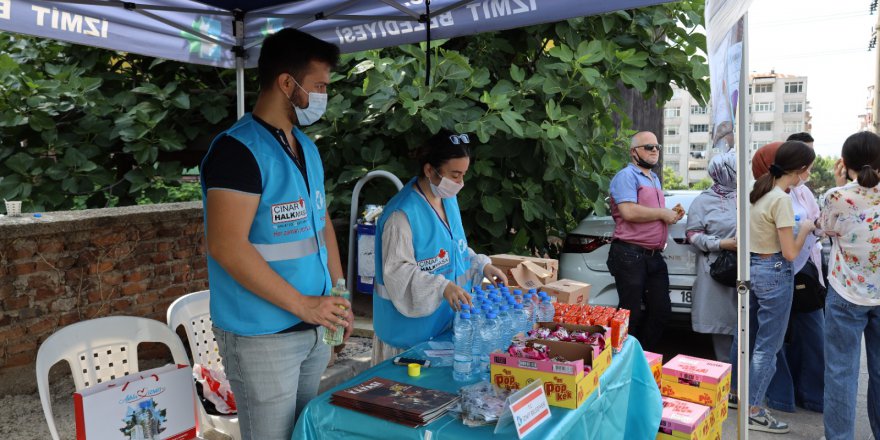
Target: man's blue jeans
(800, 367)
(844, 324)
(273, 377)
(769, 307)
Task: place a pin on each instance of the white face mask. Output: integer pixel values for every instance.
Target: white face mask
(311, 114)
(447, 188)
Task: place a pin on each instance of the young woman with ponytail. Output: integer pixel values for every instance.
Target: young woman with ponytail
(851, 216)
(773, 247)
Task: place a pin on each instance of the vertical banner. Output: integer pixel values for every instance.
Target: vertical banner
(724, 40)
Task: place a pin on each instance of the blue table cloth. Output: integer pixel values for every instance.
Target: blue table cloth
(626, 405)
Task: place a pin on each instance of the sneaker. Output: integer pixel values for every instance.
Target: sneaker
(732, 401)
(763, 421)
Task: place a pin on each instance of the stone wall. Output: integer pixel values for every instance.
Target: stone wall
(65, 267)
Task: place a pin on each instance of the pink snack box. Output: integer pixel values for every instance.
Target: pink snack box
(682, 417)
(701, 371)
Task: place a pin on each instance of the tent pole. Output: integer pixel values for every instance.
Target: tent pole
(240, 52)
(742, 228)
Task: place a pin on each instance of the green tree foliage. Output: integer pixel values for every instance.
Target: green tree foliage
(81, 126)
(704, 183)
(822, 175)
(671, 179)
(541, 103)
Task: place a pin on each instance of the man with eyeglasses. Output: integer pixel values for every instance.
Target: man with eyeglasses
(635, 258)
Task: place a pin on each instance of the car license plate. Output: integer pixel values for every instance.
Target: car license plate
(680, 297)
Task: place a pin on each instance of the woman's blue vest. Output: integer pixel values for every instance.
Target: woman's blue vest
(287, 230)
(439, 249)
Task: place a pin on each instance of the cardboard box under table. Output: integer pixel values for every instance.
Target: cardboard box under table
(696, 380)
(655, 361)
(566, 384)
(684, 420)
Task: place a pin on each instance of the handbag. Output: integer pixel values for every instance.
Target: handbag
(723, 269)
(809, 294)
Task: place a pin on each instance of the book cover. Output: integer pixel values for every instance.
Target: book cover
(394, 398)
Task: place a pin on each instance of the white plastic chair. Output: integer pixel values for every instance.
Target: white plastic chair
(192, 311)
(99, 350)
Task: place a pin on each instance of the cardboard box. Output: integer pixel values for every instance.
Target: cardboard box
(589, 329)
(683, 420)
(696, 380)
(506, 262)
(568, 291)
(655, 361)
(718, 415)
(565, 383)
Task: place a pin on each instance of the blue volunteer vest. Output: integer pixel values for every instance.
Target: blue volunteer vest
(439, 250)
(287, 231)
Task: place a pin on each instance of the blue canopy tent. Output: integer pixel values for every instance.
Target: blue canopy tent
(228, 33)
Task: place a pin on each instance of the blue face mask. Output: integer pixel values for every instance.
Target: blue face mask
(312, 113)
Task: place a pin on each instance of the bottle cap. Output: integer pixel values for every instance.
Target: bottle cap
(414, 370)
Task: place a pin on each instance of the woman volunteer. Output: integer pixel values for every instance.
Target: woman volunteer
(422, 256)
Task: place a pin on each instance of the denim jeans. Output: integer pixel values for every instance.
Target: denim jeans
(800, 367)
(844, 324)
(769, 306)
(272, 377)
(641, 277)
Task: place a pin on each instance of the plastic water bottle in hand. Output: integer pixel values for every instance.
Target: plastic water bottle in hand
(463, 339)
(334, 337)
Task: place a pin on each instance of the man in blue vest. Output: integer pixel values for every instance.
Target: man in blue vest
(272, 250)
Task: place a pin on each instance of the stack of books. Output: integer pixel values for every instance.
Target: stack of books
(394, 401)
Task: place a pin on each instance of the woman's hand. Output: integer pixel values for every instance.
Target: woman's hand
(806, 226)
(494, 274)
(840, 173)
(728, 244)
(456, 296)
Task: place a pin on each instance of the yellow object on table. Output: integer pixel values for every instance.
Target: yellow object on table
(414, 370)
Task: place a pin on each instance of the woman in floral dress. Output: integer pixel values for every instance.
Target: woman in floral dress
(851, 216)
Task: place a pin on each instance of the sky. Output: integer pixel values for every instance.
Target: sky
(828, 43)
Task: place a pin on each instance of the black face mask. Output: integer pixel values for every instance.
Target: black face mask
(642, 162)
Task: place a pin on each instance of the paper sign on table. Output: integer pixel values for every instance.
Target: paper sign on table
(527, 407)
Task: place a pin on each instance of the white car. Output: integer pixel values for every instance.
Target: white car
(585, 254)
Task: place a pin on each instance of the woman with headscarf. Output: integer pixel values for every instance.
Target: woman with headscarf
(711, 228)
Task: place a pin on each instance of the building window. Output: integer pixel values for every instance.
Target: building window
(696, 166)
(794, 107)
(698, 147)
(794, 126)
(794, 87)
(762, 126)
(699, 128)
(673, 164)
(672, 112)
(763, 88)
(698, 110)
(763, 107)
(670, 148)
(757, 144)
(670, 131)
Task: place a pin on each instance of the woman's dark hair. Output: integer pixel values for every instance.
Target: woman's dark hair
(791, 156)
(444, 146)
(861, 153)
(290, 51)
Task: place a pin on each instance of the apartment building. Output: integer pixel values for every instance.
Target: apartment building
(778, 105)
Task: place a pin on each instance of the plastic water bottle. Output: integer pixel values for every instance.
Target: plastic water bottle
(488, 339)
(546, 309)
(464, 308)
(531, 312)
(797, 226)
(334, 337)
(505, 321)
(463, 339)
(520, 319)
